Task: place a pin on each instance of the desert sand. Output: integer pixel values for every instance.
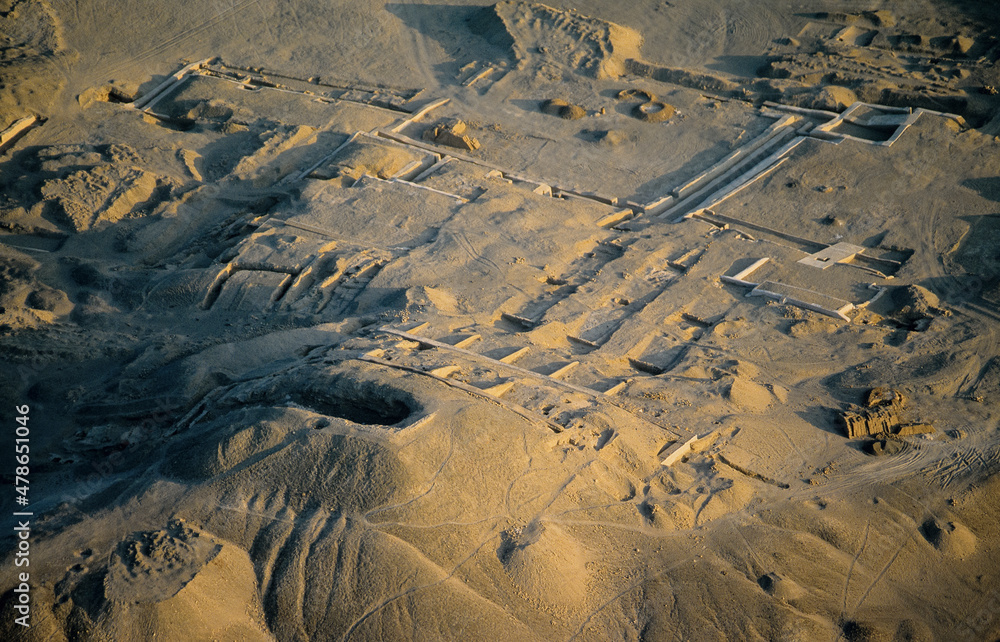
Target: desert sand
(596, 321)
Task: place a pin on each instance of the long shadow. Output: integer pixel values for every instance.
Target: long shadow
(23, 171)
(977, 254)
(977, 288)
(982, 13)
(706, 158)
(458, 30)
(823, 418)
(988, 188)
(746, 66)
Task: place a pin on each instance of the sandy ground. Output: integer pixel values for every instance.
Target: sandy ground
(459, 321)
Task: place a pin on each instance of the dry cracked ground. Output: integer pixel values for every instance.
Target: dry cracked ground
(468, 321)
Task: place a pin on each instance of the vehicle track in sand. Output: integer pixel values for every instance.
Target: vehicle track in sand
(164, 45)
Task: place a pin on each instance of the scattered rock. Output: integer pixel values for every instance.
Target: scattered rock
(885, 445)
(882, 396)
(833, 98)
(106, 192)
(453, 134)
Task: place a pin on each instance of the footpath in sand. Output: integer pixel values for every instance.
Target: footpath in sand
(395, 321)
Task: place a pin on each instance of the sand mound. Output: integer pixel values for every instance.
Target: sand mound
(911, 306)
(282, 152)
(332, 469)
(542, 560)
(748, 395)
(363, 156)
(726, 496)
(833, 98)
(103, 193)
(577, 43)
(806, 327)
(32, 38)
(25, 301)
(668, 515)
(655, 111)
(562, 109)
(915, 300)
(858, 631)
(171, 584)
(951, 538)
(781, 587)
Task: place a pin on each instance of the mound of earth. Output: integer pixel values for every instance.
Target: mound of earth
(177, 583)
(952, 538)
(32, 46)
(562, 109)
(538, 33)
(748, 394)
(543, 560)
(415, 360)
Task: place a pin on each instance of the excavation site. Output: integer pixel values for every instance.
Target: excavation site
(469, 321)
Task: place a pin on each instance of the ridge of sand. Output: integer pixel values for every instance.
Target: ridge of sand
(536, 32)
(351, 334)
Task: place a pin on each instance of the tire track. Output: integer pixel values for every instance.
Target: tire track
(410, 591)
(850, 569)
(430, 487)
(881, 574)
(631, 587)
(178, 38)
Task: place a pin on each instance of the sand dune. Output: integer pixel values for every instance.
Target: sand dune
(467, 321)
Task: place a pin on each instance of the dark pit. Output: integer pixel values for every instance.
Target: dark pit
(362, 402)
